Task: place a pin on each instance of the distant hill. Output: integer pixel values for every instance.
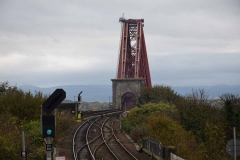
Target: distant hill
(212, 91)
(90, 93)
(103, 93)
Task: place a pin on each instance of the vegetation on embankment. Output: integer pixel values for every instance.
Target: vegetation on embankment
(198, 129)
(21, 111)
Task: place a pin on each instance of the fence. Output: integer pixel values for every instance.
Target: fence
(154, 147)
(174, 157)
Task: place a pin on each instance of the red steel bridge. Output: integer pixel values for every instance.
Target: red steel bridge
(133, 60)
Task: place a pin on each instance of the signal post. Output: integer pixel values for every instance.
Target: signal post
(48, 119)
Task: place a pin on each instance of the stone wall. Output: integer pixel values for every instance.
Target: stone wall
(121, 86)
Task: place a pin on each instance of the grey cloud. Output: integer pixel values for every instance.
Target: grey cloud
(66, 78)
(187, 41)
(207, 69)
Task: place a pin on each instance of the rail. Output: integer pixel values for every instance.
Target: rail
(74, 154)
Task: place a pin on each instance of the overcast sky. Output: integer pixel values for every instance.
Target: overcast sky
(48, 43)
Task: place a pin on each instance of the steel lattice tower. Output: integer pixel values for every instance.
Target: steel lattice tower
(133, 60)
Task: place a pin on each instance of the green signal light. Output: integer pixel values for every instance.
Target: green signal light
(49, 132)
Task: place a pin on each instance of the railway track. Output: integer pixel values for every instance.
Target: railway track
(110, 139)
(91, 114)
(95, 139)
(79, 141)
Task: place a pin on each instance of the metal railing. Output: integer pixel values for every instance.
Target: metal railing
(175, 157)
(154, 147)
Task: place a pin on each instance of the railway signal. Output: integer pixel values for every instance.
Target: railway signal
(48, 120)
(80, 97)
(54, 100)
(48, 126)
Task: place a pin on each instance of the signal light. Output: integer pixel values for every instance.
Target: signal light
(48, 126)
(49, 132)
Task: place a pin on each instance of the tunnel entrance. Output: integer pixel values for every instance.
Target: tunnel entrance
(128, 101)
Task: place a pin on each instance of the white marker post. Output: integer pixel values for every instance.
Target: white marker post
(234, 143)
(23, 141)
(24, 153)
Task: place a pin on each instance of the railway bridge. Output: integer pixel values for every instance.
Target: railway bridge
(133, 69)
(99, 135)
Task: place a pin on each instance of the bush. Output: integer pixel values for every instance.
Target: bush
(170, 133)
(126, 125)
(138, 133)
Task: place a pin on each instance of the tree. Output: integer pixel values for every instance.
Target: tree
(158, 93)
(34, 142)
(170, 133)
(139, 115)
(231, 109)
(195, 110)
(25, 106)
(6, 88)
(215, 139)
(235, 99)
(19, 110)
(10, 137)
(137, 120)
